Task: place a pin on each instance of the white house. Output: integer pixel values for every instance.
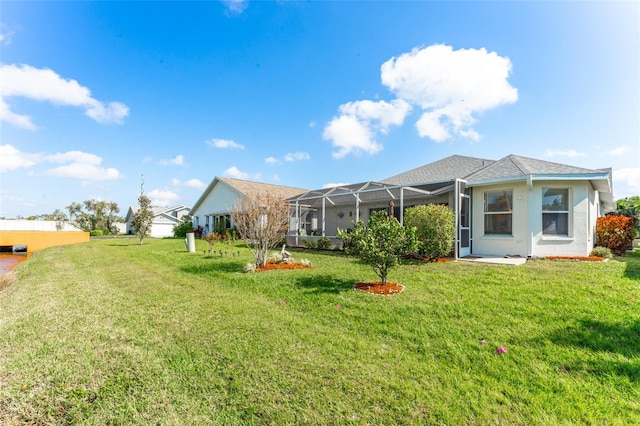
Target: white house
(214, 206)
(514, 206)
(164, 219)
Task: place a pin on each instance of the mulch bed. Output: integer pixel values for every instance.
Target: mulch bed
(388, 289)
(275, 265)
(577, 258)
(427, 259)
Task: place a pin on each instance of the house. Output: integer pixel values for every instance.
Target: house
(164, 219)
(213, 208)
(514, 206)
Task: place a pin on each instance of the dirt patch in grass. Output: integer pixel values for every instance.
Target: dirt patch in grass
(376, 287)
(577, 258)
(428, 259)
(275, 265)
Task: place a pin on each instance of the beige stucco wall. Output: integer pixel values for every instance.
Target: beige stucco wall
(219, 201)
(527, 238)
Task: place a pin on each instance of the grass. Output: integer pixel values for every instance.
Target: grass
(111, 332)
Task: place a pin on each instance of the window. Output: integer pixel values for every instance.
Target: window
(555, 211)
(498, 212)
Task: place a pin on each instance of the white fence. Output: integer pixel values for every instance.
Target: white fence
(34, 225)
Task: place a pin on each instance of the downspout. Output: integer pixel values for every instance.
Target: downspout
(357, 207)
(456, 209)
(531, 215)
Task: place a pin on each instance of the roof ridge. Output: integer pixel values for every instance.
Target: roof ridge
(515, 159)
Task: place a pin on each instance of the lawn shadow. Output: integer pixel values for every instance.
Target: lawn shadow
(603, 337)
(214, 266)
(632, 260)
(323, 284)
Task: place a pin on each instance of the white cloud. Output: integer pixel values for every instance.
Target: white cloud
(297, 156)
(626, 182)
(177, 161)
(224, 143)
(273, 161)
(162, 198)
(571, 153)
(348, 134)
(333, 185)
(355, 128)
(81, 165)
(312, 124)
(235, 7)
(12, 159)
(147, 160)
(175, 182)
(46, 85)
(195, 183)
(234, 172)
(449, 86)
(73, 164)
(620, 150)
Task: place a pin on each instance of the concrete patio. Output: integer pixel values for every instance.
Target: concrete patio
(501, 260)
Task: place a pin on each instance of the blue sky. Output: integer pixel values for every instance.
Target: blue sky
(93, 95)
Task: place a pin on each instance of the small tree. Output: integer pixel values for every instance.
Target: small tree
(143, 218)
(435, 229)
(379, 244)
(181, 230)
(262, 220)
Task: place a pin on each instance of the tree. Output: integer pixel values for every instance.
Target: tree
(58, 216)
(262, 220)
(94, 215)
(381, 243)
(143, 218)
(630, 207)
(435, 229)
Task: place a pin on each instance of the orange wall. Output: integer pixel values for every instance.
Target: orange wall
(38, 240)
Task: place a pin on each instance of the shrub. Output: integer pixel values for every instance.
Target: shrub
(381, 243)
(435, 229)
(96, 233)
(309, 244)
(181, 230)
(601, 252)
(324, 243)
(615, 233)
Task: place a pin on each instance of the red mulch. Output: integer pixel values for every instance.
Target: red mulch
(275, 265)
(576, 258)
(388, 289)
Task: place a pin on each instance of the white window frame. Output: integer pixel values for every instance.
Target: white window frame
(566, 212)
(508, 211)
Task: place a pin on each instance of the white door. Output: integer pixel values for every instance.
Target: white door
(464, 227)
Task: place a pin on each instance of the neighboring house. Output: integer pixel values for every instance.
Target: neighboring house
(515, 206)
(164, 219)
(214, 206)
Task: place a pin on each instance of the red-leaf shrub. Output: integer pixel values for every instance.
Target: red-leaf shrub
(615, 233)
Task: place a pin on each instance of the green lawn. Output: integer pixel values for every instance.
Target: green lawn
(111, 332)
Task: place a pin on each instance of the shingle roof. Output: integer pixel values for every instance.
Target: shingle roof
(247, 187)
(447, 169)
(514, 166)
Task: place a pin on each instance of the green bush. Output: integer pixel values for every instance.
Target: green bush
(379, 244)
(323, 243)
(309, 244)
(435, 229)
(601, 252)
(181, 230)
(615, 233)
(96, 233)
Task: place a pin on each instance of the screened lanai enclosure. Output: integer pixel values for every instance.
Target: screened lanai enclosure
(320, 213)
